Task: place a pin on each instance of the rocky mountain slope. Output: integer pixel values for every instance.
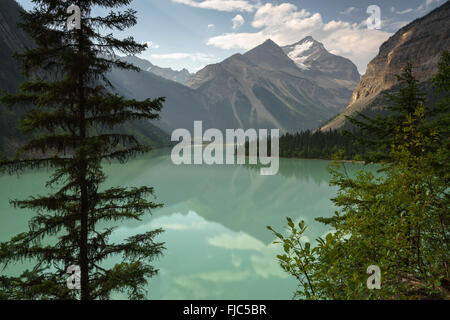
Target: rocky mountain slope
(182, 107)
(181, 76)
(421, 42)
(13, 39)
(268, 88)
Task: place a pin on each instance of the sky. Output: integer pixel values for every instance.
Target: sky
(194, 33)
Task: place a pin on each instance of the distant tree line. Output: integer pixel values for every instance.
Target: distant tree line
(319, 145)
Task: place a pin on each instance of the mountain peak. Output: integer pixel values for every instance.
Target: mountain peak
(270, 41)
(269, 55)
(269, 44)
(138, 62)
(307, 38)
(181, 76)
(302, 51)
(310, 54)
(312, 43)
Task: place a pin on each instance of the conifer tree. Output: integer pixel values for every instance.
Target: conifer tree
(71, 129)
(379, 132)
(397, 219)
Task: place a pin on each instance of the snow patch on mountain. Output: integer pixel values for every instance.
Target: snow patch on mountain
(296, 53)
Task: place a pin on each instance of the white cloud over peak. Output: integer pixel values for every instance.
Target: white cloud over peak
(286, 24)
(238, 21)
(221, 5)
(285, 13)
(237, 40)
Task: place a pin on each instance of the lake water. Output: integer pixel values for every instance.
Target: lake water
(215, 220)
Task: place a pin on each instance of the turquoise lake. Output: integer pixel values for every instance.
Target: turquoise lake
(214, 217)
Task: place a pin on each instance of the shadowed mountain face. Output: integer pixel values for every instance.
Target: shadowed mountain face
(420, 43)
(267, 87)
(182, 107)
(13, 39)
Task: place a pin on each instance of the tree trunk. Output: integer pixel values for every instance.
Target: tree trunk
(84, 261)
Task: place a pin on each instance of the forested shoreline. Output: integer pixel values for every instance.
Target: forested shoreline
(320, 145)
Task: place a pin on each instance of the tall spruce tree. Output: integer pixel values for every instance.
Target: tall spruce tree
(71, 126)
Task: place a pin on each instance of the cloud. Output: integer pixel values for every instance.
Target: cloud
(286, 24)
(349, 10)
(197, 57)
(236, 260)
(179, 222)
(424, 6)
(211, 26)
(430, 2)
(221, 5)
(390, 25)
(223, 276)
(263, 258)
(237, 40)
(405, 11)
(171, 226)
(151, 45)
(238, 21)
(240, 241)
(274, 15)
(421, 8)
